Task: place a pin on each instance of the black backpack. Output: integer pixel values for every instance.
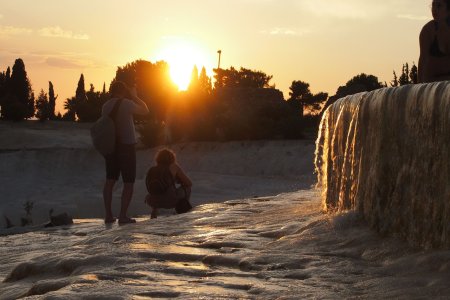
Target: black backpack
(103, 133)
(158, 180)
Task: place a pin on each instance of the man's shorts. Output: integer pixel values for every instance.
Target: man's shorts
(122, 161)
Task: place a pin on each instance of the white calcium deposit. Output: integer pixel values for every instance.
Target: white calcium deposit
(386, 155)
(257, 230)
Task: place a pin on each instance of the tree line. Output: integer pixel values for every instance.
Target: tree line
(240, 104)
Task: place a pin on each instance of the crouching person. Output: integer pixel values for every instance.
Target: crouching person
(167, 185)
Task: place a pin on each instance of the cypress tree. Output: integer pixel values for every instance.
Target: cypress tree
(51, 101)
(2, 84)
(19, 103)
(193, 84)
(2, 89)
(42, 106)
(404, 78)
(8, 73)
(7, 78)
(80, 97)
(31, 105)
(394, 81)
(204, 81)
(80, 93)
(413, 74)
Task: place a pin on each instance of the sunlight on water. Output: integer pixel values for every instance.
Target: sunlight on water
(87, 221)
(208, 232)
(385, 154)
(143, 246)
(258, 249)
(175, 249)
(89, 277)
(185, 265)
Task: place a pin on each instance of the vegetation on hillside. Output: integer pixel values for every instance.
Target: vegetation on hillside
(238, 104)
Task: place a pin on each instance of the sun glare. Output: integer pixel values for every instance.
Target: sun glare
(182, 57)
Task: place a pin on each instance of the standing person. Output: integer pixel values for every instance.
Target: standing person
(123, 160)
(162, 180)
(434, 60)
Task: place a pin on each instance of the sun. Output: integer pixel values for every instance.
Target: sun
(182, 56)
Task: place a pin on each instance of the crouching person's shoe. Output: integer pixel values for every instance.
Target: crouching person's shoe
(154, 213)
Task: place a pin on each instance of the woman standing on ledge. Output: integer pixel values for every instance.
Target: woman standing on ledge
(434, 60)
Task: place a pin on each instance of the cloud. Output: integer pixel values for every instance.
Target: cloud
(58, 32)
(69, 61)
(11, 30)
(65, 63)
(413, 17)
(285, 31)
(56, 59)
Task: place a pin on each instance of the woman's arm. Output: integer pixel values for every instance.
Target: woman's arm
(424, 42)
(183, 178)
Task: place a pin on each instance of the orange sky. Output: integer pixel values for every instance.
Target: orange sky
(322, 42)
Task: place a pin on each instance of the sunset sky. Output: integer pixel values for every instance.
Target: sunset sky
(322, 42)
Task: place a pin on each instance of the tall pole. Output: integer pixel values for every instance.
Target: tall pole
(220, 52)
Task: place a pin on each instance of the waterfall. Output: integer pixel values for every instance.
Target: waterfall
(385, 154)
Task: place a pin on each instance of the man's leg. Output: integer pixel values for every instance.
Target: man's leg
(127, 162)
(107, 199)
(127, 194)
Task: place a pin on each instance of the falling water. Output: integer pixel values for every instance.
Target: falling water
(385, 154)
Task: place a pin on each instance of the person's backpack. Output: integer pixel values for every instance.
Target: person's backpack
(103, 132)
(158, 180)
(183, 206)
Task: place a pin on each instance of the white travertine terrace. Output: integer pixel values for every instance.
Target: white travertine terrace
(385, 154)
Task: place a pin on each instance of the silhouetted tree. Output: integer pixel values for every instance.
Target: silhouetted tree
(301, 98)
(298, 95)
(74, 104)
(359, 83)
(394, 81)
(8, 75)
(80, 96)
(314, 106)
(2, 89)
(413, 74)
(404, 78)
(408, 76)
(18, 104)
(91, 109)
(194, 83)
(155, 87)
(191, 115)
(42, 107)
(70, 105)
(253, 113)
(153, 84)
(4, 83)
(51, 101)
(5, 78)
(244, 78)
(204, 82)
(80, 93)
